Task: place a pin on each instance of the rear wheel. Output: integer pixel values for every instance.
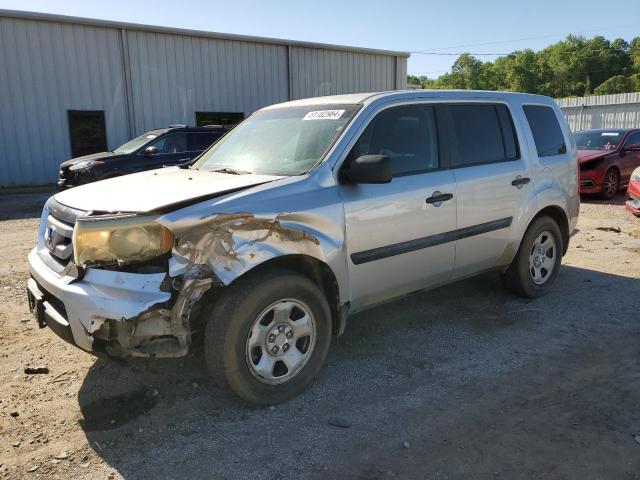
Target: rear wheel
(536, 265)
(268, 336)
(610, 184)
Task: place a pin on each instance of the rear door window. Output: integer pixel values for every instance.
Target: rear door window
(406, 134)
(546, 130)
(202, 140)
(481, 133)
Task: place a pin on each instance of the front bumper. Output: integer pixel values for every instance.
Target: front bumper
(101, 295)
(633, 198)
(590, 181)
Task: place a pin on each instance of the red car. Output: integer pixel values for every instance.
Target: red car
(633, 193)
(607, 157)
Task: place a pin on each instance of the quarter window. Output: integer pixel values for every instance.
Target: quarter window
(546, 130)
(406, 134)
(482, 134)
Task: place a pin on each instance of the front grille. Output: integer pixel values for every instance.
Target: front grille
(57, 238)
(56, 232)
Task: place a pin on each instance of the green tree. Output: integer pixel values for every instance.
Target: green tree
(619, 84)
(575, 66)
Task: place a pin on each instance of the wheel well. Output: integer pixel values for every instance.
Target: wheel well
(558, 214)
(318, 272)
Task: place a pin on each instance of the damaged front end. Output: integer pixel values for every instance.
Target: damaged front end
(142, 278)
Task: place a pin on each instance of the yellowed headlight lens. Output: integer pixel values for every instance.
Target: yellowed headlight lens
(119, 240)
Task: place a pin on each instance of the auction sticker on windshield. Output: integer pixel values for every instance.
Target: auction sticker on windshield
(323, 115)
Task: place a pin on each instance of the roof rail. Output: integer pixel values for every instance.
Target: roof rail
(178, 125)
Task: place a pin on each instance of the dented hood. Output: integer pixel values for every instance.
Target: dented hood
(155, 189)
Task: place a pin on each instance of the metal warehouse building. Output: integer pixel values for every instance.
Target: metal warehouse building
(71, 85)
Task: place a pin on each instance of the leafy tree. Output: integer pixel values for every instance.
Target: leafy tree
(619, 84)
(574, 66)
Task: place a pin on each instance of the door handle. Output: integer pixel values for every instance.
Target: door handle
(438, 198)
(519, 181)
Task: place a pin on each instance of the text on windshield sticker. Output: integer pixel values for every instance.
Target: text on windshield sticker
(324, 115)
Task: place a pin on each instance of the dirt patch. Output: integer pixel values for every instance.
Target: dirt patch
(466, 381)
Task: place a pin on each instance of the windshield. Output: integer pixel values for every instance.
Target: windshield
(132, 145)
(598, 140)
(281, 141)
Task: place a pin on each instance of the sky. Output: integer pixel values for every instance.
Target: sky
(449, 26)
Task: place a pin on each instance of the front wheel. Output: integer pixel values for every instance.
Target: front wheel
(268, 336)
(536, 265)
(611, 184)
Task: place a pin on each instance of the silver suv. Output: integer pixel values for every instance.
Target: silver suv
(305, 213)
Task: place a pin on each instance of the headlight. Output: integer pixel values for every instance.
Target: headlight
(635, 176)
(119, 240)
(84, 165)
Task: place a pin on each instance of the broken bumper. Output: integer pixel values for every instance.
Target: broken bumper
(82, 306)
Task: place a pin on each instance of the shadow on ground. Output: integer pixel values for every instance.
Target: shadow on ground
(22, 206)
(619, 199)
(476, 381)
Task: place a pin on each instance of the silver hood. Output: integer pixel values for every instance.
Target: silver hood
(155, 189)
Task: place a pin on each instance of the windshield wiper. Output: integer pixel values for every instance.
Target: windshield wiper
(231, 171)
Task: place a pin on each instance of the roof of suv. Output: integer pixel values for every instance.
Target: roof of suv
(368, 97)
(186, 128)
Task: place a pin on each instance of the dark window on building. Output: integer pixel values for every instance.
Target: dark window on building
(202, 140)
(546, 130)
(406, 134)
(218, 118)
(87, 131)
(482, 134)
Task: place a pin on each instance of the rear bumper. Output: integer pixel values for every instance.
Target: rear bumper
(75, 308)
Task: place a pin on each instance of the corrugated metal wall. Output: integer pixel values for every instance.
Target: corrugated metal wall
(174, 76)
(317, 72)
(602, 111)
(46, 69)
(148, 77)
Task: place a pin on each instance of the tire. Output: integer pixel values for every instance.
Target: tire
(532, 272)
(610, 184)
(241, 328)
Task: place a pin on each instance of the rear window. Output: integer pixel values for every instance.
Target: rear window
(546, 130)
(483, 134)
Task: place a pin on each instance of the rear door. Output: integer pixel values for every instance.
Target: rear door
(493, 181)
(398, 239)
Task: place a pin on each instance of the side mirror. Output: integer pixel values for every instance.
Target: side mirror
(634, 147)
(369, 169)
(150, 151)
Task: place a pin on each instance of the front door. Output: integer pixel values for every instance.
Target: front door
(397, 233)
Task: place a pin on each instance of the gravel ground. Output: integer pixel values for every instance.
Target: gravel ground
(466, 381)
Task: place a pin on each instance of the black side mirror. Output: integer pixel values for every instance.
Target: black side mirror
(150, 151)
(369, 169)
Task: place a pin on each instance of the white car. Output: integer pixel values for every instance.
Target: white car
(305, 213)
